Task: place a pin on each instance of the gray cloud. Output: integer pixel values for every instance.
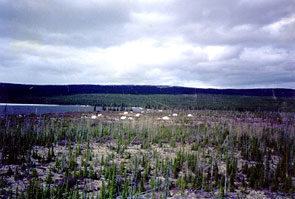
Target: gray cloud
(212, 43)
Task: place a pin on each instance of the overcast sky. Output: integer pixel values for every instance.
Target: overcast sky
(195, 43)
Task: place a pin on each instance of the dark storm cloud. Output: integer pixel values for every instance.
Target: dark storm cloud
(210, 43)
(233, 13)
(61, 22)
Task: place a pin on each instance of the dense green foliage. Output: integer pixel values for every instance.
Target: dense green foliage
(187, 102)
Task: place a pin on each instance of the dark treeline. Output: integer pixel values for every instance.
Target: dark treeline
(179, 102)
(9, 92)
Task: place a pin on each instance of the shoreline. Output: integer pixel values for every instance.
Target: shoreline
(18, 104)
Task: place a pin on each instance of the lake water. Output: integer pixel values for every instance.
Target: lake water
(41, 108)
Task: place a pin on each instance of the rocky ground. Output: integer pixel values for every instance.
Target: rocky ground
(99, 149)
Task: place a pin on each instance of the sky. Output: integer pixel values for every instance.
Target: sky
(193, 43)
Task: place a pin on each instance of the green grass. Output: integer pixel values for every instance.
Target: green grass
(64, 156)
(200, 101)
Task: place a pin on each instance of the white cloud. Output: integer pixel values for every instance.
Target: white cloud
(188, 43)
(263, 55)
(150, 17)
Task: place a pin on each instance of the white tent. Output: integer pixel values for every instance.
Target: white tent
(165, 118)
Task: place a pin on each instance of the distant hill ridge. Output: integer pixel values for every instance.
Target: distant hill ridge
(8, 90)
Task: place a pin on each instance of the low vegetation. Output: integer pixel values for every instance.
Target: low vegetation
(218, 153)
(186, 102)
